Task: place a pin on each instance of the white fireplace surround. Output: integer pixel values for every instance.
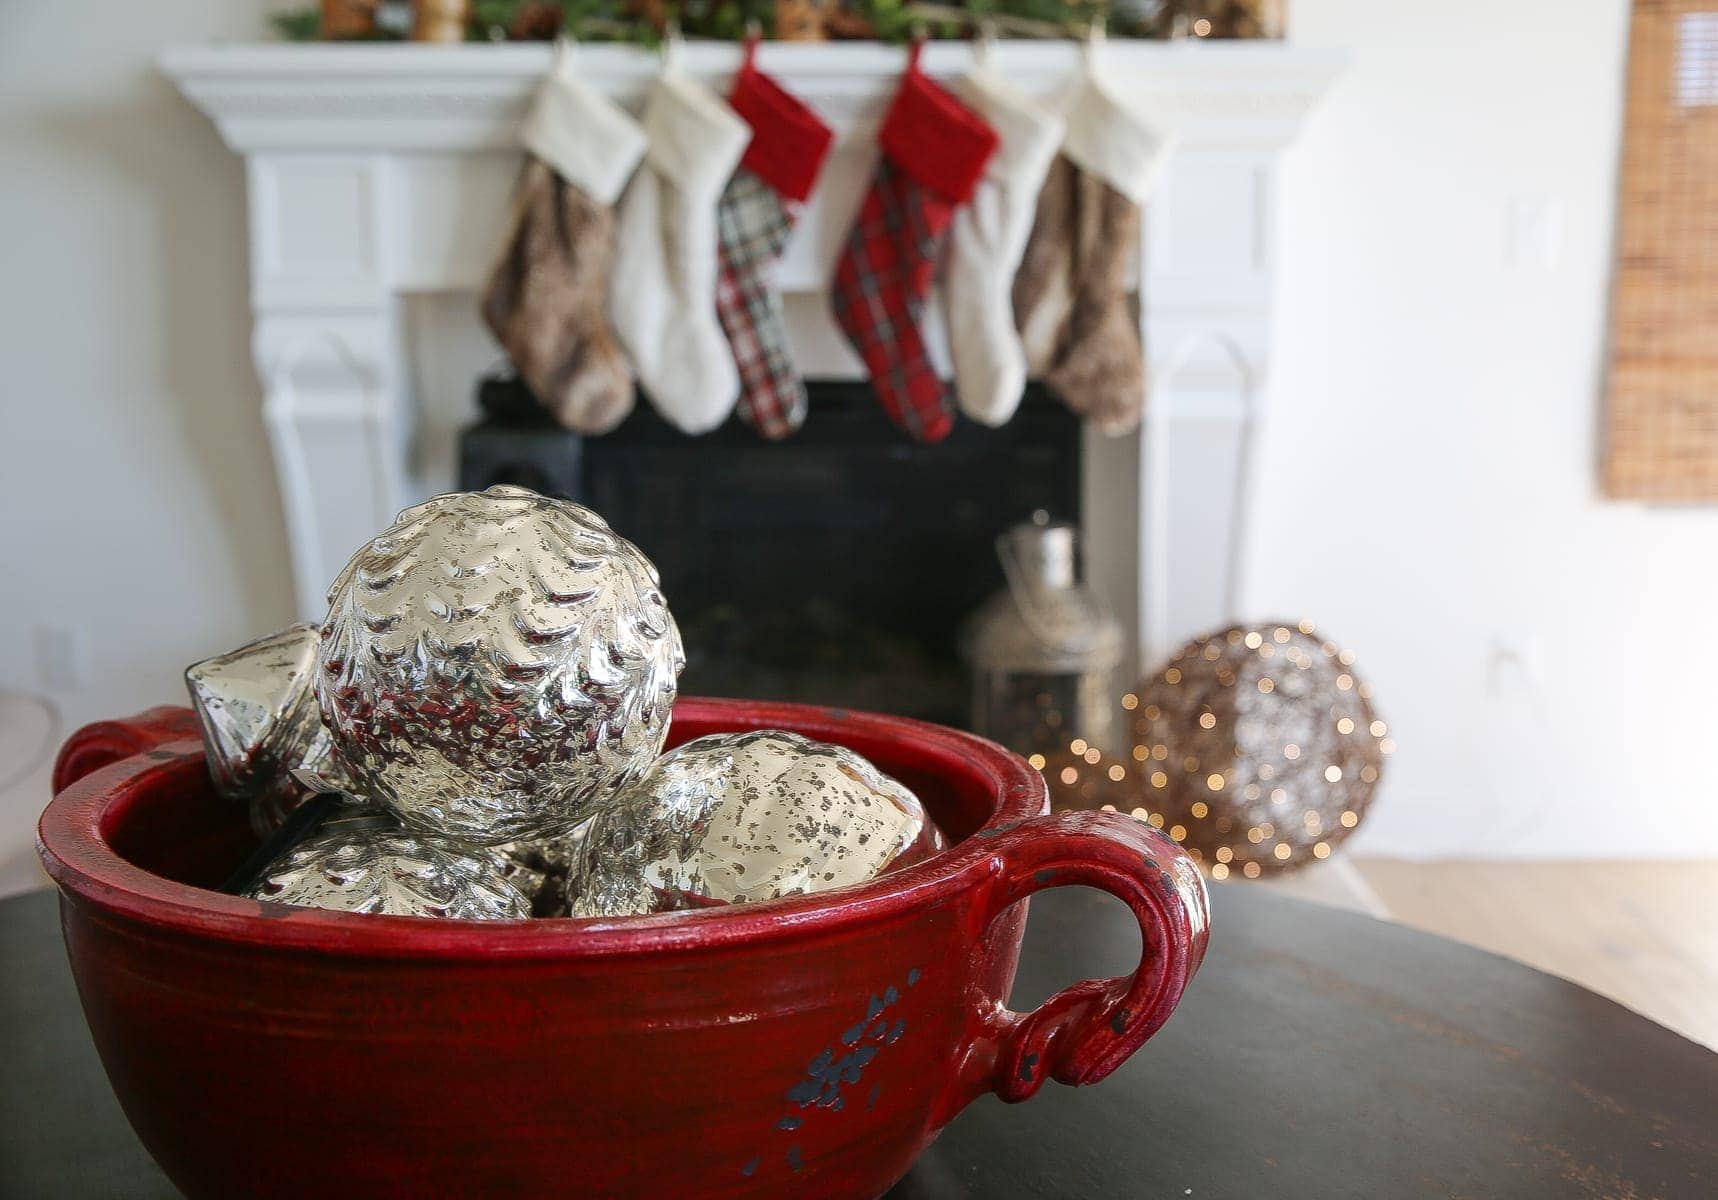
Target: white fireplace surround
(378, 184)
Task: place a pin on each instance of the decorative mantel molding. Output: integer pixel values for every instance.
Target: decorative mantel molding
(380, 171)
(290, 97)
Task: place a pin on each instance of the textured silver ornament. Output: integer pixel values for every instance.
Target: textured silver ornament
(399, 874)
(495, 664)
(732, 818)
(260, 720)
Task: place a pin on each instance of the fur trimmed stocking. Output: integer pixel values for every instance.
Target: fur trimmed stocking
(545, 297)
(1070, 296)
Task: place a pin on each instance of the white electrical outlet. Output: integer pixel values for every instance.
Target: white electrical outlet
(62, 657)
(1515, 665)
(1533, 232)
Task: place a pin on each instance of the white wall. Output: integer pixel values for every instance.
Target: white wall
(1426, 476)
(1428, 473)
(137, 501)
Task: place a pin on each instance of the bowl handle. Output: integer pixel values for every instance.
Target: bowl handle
(1084, 1032)
(105, 742)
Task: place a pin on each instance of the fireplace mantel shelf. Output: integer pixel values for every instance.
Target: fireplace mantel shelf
(381, 172)
(277, 97)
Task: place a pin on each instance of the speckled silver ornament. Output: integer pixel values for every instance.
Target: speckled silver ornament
(395, 873)
(496, 663)
(260, 720)
(732, 818)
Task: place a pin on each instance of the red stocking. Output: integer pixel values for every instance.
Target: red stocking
(934, 152)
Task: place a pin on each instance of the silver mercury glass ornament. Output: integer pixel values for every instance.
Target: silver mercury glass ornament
(732, 818)
(496, 663)
(260, 720)
(394, 873)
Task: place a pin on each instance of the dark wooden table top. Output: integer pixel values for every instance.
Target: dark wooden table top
(1318, 1054)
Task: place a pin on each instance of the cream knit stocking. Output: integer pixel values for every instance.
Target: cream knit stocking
(663, 299)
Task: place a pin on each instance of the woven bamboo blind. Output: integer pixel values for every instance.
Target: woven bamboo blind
(1662, 403)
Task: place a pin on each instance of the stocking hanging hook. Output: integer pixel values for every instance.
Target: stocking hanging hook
(1094, 38)
(985, 40)
(672, 45)
(753, 36)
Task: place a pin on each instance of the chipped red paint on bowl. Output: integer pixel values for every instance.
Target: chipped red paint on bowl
(808, 1046)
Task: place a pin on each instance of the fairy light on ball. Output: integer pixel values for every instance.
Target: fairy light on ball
(1082, 776)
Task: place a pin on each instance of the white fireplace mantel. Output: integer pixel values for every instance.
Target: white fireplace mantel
(381, 173)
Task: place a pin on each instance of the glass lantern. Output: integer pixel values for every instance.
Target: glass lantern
(1043, 653)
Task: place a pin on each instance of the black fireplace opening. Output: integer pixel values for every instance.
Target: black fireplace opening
(833, 567)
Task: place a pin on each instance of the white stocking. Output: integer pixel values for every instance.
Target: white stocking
(663, 297)
(985, 244)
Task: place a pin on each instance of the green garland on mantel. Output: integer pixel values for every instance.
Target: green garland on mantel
(642, 22)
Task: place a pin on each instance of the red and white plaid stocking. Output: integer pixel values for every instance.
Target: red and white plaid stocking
(934, 153)
(753, 222)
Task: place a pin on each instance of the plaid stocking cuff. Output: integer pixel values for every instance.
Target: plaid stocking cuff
(753, 224)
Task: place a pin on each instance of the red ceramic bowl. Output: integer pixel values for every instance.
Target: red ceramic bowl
(809, 1046)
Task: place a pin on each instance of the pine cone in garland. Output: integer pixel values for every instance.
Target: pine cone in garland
(800, 20)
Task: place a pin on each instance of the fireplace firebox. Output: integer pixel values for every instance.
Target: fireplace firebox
(834, 567)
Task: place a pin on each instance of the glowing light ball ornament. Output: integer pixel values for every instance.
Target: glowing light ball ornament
(495, 664)
(1257, 748)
